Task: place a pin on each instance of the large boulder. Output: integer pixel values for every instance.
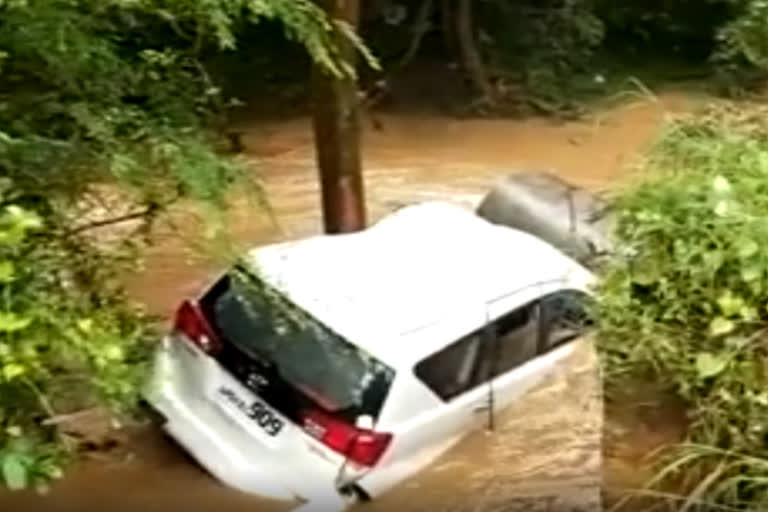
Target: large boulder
(541, 203)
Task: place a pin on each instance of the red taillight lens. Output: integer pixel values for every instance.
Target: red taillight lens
(364, 447)
(191, 323)
(369, 447)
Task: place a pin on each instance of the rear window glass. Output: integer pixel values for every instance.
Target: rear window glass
(265, 325)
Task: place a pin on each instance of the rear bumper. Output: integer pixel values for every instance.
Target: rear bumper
(222, 448)
(195, 430)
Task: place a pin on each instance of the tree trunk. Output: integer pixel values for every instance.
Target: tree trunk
(470, 55)
(448, 27)
(421, 26)
(336, 123)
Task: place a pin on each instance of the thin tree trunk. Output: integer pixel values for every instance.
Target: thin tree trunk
(470, 55)
(421, 26)
(448, 27)
(336, 123)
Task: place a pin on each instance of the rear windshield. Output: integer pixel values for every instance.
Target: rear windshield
(266, 326)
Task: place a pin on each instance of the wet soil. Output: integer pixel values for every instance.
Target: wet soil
(413, 158)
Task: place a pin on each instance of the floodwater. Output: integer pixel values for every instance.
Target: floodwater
(411, 159)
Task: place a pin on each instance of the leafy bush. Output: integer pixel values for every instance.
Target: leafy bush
(746, 35)
(686, 303)
(62, 347)
(545, 43)
(742, 48)
(555, 48)
(109, 95)
(120, 95)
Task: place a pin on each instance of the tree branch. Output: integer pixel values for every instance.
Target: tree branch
(421, 26)
(150, 210)
(470, 54)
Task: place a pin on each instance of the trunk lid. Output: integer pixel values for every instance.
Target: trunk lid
(291, 381)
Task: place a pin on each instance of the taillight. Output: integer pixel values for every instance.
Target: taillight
(361, 446)
(191, 323)
(368, 447)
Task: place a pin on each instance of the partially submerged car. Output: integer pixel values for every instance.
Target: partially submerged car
(332, 368)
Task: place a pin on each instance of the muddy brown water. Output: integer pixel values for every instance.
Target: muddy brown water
(411, 159)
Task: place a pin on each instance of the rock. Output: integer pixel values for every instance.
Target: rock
(543, 204)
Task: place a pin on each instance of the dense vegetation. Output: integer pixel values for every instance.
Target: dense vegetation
(555, 46)
(525, 55)
(686, 303)
(97, 97)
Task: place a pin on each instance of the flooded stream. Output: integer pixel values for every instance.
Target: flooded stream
(411, 159)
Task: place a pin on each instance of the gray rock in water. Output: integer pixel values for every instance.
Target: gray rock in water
(541, 203)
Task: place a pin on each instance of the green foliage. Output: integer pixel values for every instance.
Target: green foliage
(115, 90)
(733, 34)
(743, 40)
(556, 49)
(63, 347)
(544, 41)
(686, 303)
(106, 93)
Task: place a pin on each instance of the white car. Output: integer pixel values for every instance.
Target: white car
(332, 368)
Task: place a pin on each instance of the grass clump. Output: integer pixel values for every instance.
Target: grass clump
(685, 303)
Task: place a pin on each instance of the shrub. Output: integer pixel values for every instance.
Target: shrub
(63, 347)
(687, 301)
(106, 95)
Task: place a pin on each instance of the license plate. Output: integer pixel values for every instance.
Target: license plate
(256, 410)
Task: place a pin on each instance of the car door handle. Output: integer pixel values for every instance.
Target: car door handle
(478, 408)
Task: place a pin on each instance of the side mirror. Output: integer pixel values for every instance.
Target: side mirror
(364, 422)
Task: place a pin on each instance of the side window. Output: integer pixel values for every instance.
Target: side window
(565, 316)
(451, 371)
(516, 339)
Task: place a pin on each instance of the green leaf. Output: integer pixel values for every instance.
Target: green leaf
(113, 352)
(720, 326)
(721, 185)
(13, 431)
(713, 260)
(747, 248)
(722, 208)
(12, 370)
(7, 271)
(730, 304)
(709, 365)
(11, 322)
(85, 325)
(645, 274)
(54, 472)
(750, 273)
(14, 471)
(22, 218)
(748, 313)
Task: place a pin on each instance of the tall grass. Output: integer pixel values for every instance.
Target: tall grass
(686, 301)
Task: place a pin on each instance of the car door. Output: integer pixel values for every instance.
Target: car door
(433, 409)
(454, 375)
(516, 357)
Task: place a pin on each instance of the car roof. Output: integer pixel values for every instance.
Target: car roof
(415, 281)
